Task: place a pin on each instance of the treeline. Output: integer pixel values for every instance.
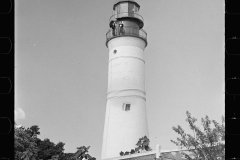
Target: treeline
(27, 146)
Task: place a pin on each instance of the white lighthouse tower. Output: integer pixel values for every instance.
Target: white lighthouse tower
(126, 117)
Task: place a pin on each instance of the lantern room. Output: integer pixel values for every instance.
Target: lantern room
(127, 9)
(125, 6)
(126, 21)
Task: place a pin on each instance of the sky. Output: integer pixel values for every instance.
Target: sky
(61, 67)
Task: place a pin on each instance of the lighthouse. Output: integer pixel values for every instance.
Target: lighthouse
(126, 116)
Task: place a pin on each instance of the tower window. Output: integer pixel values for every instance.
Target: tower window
(126, 106)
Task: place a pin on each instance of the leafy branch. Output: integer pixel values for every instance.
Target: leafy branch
(142, 145)
(207, 144)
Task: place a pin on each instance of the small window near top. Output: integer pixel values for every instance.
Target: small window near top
(126, 106)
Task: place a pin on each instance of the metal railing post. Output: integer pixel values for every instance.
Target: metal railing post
(158, 151)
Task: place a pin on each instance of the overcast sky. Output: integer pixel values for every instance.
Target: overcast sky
(61, 67)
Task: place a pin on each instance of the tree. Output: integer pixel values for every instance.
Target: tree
(66, 156)
(25, 146)
(33, 131)
(142, 145)
(82, 153)
(47, 149)
(205, 145)
(59, 148)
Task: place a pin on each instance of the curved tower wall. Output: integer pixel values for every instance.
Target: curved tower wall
(126, 85)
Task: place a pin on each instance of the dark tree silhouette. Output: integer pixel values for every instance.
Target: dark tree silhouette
(142, 145)
(81, 153)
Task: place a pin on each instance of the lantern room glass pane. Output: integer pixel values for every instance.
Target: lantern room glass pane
(123, 7)
(131, 7)
(136, 9)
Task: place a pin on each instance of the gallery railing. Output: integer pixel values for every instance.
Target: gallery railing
(126, 31)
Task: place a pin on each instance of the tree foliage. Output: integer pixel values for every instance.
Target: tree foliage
(171, 156)
(207, 144)
(47, 149)
(27, 146)
(142, 145)
(66, 156)
(82, 153)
